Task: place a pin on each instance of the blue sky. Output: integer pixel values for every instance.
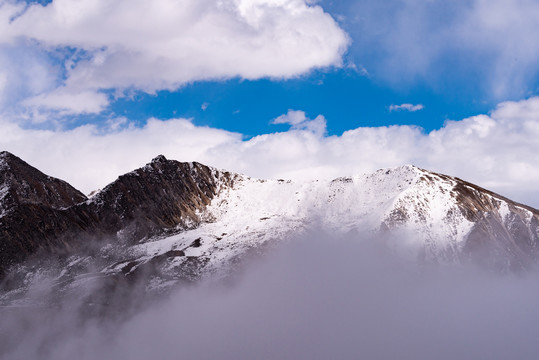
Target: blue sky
(356, 85)
(455, 81)
(390, 59)
(453, 88)
(347, 100)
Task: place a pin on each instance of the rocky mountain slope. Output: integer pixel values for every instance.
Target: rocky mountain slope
(171, 222)
(40, 214)
(29, 201)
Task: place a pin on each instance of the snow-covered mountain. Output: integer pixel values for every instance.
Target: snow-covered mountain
(433, 217)
(171, 222)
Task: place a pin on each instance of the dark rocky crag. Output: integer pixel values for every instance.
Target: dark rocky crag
(32, 205)
(39, 213)
(163, 195)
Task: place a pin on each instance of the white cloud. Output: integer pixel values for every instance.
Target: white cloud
(406, 107)
(299, 121)
(293, 117)
(25, 71)
(89, 158)
(162, 44)
(497, 151)
(67, 102)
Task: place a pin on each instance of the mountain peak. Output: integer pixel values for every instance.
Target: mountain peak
(27, 185)
(7, 158)
(162, 195)
(159, 159)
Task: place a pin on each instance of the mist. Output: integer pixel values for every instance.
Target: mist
(316, 297)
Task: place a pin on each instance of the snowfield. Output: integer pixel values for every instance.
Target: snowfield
(413, 209)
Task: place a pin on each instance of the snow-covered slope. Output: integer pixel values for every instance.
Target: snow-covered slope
(413, 211)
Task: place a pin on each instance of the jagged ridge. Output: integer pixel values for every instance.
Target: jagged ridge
(41, 213)
(196, 220)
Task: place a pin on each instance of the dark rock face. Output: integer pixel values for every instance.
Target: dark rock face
(164, 194)
(25, 184)
(41, 213)
(30, 204)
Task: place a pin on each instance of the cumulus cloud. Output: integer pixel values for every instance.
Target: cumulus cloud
(497, 150)
(154, 45)
(90, 157)
(406, 107)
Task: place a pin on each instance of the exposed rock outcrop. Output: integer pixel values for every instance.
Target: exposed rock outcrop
(32, 205)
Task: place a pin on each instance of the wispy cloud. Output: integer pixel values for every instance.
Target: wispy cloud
(406, 107)
(485, 44)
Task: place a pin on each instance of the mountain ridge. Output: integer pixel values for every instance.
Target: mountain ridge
(169, 222)
(55, 221)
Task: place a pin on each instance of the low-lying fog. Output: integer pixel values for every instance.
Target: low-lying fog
(310, 299)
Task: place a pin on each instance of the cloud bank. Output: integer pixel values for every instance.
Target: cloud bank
(152, 45)
(497, 151)
(315, 298)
